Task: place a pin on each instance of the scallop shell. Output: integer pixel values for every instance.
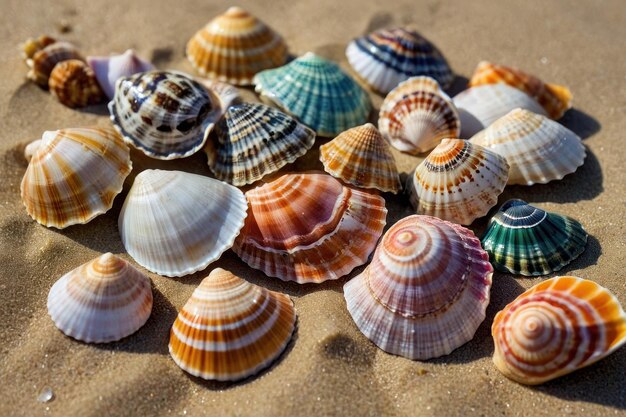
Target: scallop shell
(34, 45)
(108, 69)
(317, 92)
(74, 84)
(417, 115)
(538, 149)
(555, 99)
(425, 292)
(74, 175)
(387, 57)
(252, 140)
(523, 239)
(361, 157)
(175, 223)
(165, 114)
(234, 46)
(103, 300)
(556, 327)
(228, 94)
(44, 61)
(231, 329)
(31, 148)
(307, 228)
(480, 106)
(458, 181)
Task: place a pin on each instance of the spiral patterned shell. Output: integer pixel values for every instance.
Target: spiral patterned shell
(317, 92)
(234, 46)
(556, 327)
(426, 290)
(74, 84)
(309, 228)
(101, 301)
(458, 181)
(33, 45)
(44, 60)
(108, 69)
(231, 329)
(74, 175)
(387, 57)
(361, 157)
(166, 115)
(538, 149)
(252, 140)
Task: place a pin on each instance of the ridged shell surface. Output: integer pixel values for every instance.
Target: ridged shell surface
(309, 228)
(426, 290)
(556, 327)
(33, 45)
(44, 61)
(231, 329)
(74, 84)
(108, 69)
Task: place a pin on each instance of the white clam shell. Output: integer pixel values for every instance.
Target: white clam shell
(31, 148)
(109, 69)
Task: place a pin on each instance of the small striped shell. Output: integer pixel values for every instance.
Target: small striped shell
(74, 84)
(164, 114)
(231, 329)
(361, 157)
(458, 181)
(425, 292)
(417, 115)
(387, 57)
(555, 99)
(234, 46)
(309, 228)
(103, 300)
(74, 175)
(252, 140)
(175, 223)
(44, 60)
(523, 239)
(108, 69)
(317, 92)
(34, 45)
(556, 327)
(538, 149)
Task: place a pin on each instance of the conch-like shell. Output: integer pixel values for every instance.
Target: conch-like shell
(44, 61)
(101, 301)
(74, 175)
(108, 69)
(361, 157)
(458, 181)
(175, 223)
(74, 84)
(425, 292)
(309, 228)
(231, 329)
(556, 327)
(234, 46)
(538, 149)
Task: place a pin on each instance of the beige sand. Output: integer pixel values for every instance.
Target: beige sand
(330, 369)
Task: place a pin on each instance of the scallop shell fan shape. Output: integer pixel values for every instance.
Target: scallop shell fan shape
(74, 175)
(231, 329)
(309, 228)
(458, 181)
(175, 223)
(253, 140)
(426, 290)
(556, 327)
(101, 301)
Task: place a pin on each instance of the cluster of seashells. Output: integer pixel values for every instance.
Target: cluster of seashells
(426, 288)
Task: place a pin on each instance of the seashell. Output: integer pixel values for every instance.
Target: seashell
(31, 148)
(108, 69)
(385, 58)
(234, 46)
(556, 327)
(317, 92)
(74, 84)
(480, 106)
(458, 181)
(416, 115)
(231, 329)
(307, 227)
(175, 223)
(103, 300)
(228, 95)
(523, 239)
(44, 61)
(555, 99)
(34, 45)
(538, 149)
(426, 290)
(252, 140)
(361, 157)
(166, 115)
(74, 175)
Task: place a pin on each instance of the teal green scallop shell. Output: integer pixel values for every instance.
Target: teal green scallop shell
(525, 240)
(317, 92)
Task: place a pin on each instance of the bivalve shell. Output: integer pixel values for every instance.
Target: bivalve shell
(44, 61)
(108, 69)
(74, 84)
